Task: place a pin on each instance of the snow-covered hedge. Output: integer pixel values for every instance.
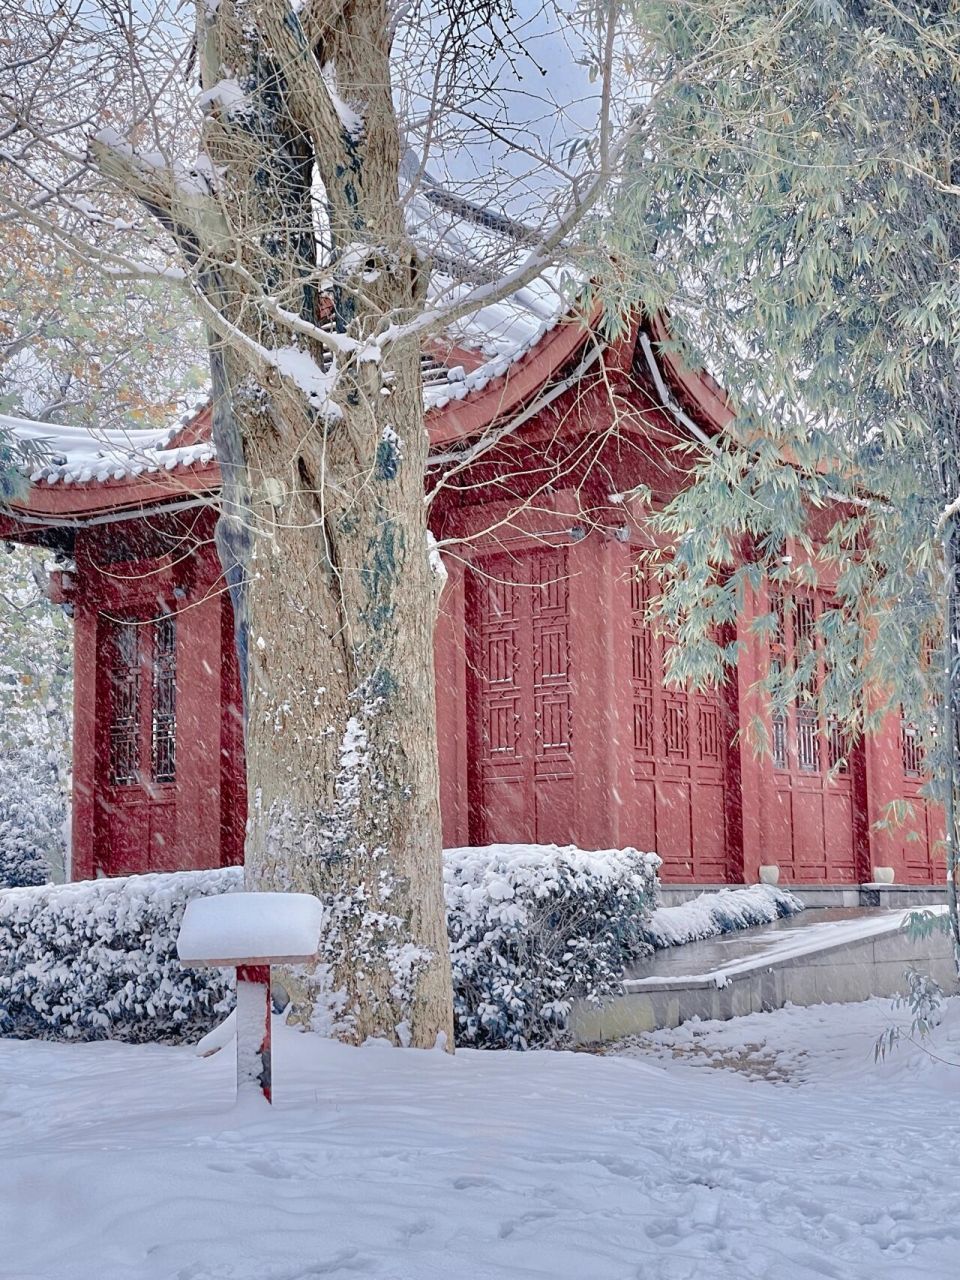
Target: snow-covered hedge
(532, 926)
(97, 959)
(711, 914)
(32, 815)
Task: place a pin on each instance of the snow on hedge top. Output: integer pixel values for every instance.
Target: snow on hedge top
(78, 455)
(250, 928)
(502, 872)
(711, 914)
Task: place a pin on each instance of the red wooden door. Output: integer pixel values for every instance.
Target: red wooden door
(680, 744)
(812, 831)
(521, 756)
(920, 833)
(137, 791)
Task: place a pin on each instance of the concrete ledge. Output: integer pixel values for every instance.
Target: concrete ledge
(827, 895)
(849, 971)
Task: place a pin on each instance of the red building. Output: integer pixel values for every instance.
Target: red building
(554, 718)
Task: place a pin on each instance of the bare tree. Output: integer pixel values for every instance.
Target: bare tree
(359, 178)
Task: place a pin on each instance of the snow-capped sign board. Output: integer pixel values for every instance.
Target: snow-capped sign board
(250, 929)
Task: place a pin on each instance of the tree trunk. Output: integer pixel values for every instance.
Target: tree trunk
(340, 604)
(323, 532)
(338, 601)
(323, 527)
(951, 720)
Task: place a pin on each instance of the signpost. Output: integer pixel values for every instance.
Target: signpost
(250, 932)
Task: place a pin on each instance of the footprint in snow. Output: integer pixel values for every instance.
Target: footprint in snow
(476, 1180)
(512, 1224)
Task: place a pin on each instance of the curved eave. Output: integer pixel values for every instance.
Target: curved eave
(460, 419)
(62, 501)
(694, 386)
(454, 421)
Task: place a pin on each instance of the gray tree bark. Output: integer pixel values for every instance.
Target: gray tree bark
(323, 533)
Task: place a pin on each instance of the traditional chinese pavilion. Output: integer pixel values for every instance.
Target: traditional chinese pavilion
(554, 718)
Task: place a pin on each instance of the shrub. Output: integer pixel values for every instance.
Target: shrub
(531, 927)
(97, 960)
(32, 817)
(534, 926)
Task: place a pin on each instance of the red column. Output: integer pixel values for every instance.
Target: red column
(599, 629)
(452, 734)
(752, 774)
(85, 734)
(233, 774)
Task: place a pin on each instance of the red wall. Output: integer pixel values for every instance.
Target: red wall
(554, 721)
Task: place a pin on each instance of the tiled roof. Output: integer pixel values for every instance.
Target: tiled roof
(82, 455)
(477, 350)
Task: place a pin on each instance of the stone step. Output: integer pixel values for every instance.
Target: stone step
(827, 955)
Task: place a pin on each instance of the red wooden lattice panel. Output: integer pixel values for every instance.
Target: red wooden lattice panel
(679, 757)
(521, 762)
(811, 832)
(920, 835)
(137, 817)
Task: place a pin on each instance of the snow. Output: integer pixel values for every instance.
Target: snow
(503, 332)
(316, 383)
(710, 914)
(77, 455)
(351, 120)
(663, 1163)
(789, 944)
(225, 93)
(233, 928)
(96, 957)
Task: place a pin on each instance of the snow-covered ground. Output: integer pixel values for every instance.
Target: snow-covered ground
(660, 1163)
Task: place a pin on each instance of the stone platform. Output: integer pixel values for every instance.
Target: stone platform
(825, 955)
(827, 895)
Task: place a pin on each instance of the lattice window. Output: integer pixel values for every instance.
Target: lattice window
(796, 649)
(551, 657)
(708, 723)
(643, 724)
(164, 703)
(838, 747)
(808, 739)
(779, 740)
(675, 729)
(804, 639)
(125, 704)
(804, 624)
(911, 749)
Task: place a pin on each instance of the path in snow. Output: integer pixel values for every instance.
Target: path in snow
(129, 1163)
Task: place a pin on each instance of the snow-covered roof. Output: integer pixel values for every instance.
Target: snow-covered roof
(476, 350)
(502, 334)
(84, 455)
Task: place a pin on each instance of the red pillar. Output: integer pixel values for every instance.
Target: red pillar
(452, 732)
(752, 774)
(85, 734)
(599, 634)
